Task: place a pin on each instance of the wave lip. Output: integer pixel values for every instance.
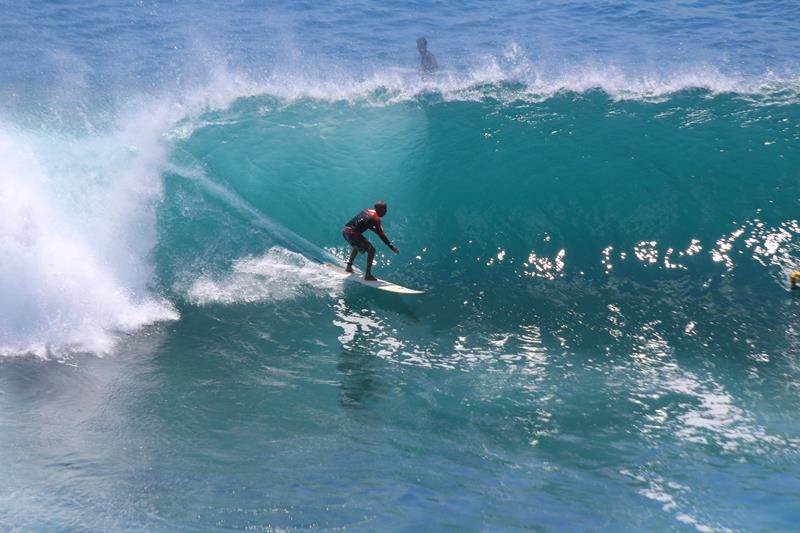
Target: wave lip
(511, 74)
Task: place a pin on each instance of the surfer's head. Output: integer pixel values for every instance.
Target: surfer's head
(380, 207)
(422, 44)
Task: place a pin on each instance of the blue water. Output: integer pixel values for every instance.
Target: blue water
(599, 199)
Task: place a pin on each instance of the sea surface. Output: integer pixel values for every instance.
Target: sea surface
(600, 199)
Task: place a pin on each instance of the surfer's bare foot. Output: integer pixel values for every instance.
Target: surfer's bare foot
(348, 268)
(370, 277)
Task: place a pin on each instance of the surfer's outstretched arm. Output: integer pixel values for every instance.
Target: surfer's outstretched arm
(379, 230)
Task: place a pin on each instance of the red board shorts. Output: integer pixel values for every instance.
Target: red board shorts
(357, 240)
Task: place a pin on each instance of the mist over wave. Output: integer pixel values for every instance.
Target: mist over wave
(77, 231)
(170, 48)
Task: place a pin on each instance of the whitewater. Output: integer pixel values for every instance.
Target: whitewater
(599, 199)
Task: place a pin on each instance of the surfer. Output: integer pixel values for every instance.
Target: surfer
(354, 234)
(427, 61)
(793, 279)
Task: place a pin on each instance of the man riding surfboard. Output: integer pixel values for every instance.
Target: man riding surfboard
(353, 233)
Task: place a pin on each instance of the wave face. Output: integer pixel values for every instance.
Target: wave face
(603, 220)
(561, 199)
(549, 211)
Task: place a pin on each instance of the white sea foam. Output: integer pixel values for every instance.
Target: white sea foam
(510, 73)
(77, 227)
(79, 216)
(277, 275)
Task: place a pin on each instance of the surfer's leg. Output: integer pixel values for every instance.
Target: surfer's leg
(349, 267)
(370, 256)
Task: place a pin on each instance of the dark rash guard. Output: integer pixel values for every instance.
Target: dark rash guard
(368, 219)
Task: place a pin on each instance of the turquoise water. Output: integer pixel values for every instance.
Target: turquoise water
(604, 222)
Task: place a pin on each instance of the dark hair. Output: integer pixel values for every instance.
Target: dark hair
(380, 205)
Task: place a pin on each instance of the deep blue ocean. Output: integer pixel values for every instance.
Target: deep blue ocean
(600, 199)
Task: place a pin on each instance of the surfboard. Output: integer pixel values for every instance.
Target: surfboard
(380, 284)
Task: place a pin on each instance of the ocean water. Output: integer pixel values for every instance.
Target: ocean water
(600, 200)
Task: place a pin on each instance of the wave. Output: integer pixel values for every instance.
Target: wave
(176, 198)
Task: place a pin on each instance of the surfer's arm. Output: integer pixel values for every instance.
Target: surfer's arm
(379, 230)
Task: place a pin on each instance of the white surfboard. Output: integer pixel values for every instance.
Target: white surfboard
(358, 277)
